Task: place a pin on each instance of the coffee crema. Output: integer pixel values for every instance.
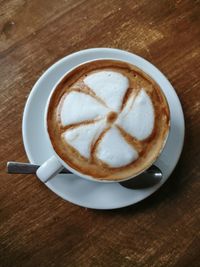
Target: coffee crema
(108, 120)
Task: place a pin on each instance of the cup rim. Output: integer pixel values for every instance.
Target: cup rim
(85, 176)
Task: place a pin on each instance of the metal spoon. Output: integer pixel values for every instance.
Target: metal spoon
(148, 178)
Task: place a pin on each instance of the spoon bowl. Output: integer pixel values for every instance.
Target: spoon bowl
(148, 178)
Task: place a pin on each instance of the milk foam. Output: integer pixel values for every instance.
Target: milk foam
(82, 137)
(114, 150)
(78, 107)
(137, 118)
(110, 86)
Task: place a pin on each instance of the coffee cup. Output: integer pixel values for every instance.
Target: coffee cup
(106, 120)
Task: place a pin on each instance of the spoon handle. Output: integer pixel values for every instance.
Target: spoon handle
(25, 168)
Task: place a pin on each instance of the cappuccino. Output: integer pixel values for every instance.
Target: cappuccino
(108, 119)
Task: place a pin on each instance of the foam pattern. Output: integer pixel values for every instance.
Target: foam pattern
(114, 150)
(110, 86)
(137, 118)
(78, 107)
(87, 118)
(83, 137)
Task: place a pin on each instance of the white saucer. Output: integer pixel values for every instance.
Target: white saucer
(70, 187)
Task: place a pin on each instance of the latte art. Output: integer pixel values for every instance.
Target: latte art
(136, 118)
(103, 120)
(110, 86)
(83, 137)
(115, 155)
(88, 108)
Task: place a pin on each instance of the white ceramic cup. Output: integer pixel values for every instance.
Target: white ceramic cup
(55, 164)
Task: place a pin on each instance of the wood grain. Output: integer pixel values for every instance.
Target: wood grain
(37, 228)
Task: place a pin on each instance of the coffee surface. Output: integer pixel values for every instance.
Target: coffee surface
(108, 119)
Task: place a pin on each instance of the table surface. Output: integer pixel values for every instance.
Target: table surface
(37, 228)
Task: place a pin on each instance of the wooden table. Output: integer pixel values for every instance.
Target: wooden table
(37, 228)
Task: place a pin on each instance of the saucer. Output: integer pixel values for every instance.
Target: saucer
(70, 187)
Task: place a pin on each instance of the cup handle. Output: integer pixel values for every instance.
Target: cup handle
(49, 169)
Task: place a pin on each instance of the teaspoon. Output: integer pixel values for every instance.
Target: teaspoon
(148, 178)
